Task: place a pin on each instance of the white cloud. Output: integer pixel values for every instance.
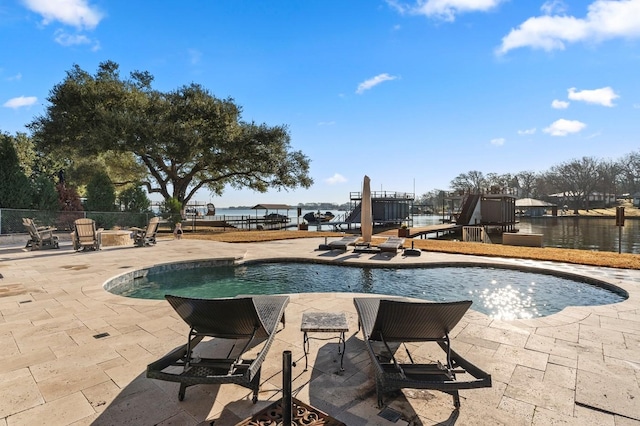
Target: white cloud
(603, 96)
(335, 179)
(326, 123)
(65, 39)
(15, 77)
(368, 84)
(444, 9)
(527, 131)
(498, 141)
(553, 7)
(606, 19)
(564, 127)
(77, 13)
(19, 102)
(557, 104)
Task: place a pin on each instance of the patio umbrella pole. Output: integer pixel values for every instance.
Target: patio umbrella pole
(286, 388)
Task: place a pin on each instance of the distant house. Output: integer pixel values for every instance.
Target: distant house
(535, 208)
(596, 200)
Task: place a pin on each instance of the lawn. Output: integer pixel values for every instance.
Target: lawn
(583, 257)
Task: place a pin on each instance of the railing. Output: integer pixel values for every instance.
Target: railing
(475, 234)
(384, 195)
(341, 217)
(11, 219)
(239, 221)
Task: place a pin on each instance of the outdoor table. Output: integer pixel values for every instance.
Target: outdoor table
(324, 322)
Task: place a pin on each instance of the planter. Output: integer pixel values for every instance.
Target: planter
(303, 227)
(403, 232)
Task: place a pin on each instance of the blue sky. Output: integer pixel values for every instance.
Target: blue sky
(410, 93)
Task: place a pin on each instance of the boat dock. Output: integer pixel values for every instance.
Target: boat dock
(423, 232)
(236, 222)
(443, 228)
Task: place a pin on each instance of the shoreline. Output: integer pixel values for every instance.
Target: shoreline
(553, 254)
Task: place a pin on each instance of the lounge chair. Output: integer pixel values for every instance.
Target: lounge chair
(146, 237)
(85, 236)
(392, 244)
(40, 236)
(392, 321)
(244, 321)
(344, 242)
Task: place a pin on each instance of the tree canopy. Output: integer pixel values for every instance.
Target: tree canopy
(101, 194)
(187, 139)
(15, 188)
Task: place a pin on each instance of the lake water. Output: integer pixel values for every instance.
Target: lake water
(585, 233)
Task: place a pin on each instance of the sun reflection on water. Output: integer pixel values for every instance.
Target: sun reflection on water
(506, 302)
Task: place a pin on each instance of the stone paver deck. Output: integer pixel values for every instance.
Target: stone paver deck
(578, 367)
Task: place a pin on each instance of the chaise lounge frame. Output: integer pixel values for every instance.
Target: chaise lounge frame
(397, 321)
(391, 245)
(344, 242)
(247, 321)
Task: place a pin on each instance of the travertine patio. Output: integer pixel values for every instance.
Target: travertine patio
(577, 367)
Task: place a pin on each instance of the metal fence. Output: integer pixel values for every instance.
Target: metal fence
(11, 219)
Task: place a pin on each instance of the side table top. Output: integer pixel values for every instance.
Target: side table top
(324, 322)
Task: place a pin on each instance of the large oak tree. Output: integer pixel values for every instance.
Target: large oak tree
(186, 138)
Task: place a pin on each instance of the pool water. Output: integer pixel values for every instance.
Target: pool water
(499, 293)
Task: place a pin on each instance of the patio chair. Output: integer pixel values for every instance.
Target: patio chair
(146, 237)
(391, 245)
(344, 242)
(85, 236)
(40, 236)
(244, 322)
(395, 321)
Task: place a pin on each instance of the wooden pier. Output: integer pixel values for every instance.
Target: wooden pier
(423, 232)
(443, 228)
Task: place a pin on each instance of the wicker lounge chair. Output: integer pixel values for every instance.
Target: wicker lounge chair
(392, 245)
(40, 236)
(244, 321)
(85, 235)
(386, 322)
(146, 237)
(344, 242)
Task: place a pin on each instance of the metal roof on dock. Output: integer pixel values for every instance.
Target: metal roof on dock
(272, 207)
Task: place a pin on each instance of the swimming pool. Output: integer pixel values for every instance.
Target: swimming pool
(497, 292)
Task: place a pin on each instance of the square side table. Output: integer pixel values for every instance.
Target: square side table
(324, 322)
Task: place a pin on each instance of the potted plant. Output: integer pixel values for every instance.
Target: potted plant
(304, 226)
(403, 231)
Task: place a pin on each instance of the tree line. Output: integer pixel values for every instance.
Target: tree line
(575, 179)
